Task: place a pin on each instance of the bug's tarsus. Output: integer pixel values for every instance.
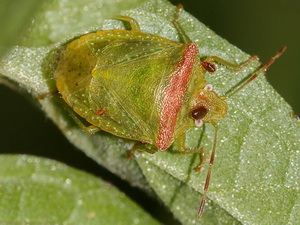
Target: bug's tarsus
(130, 154)
(202, 161)
(211, 162)
(180, 6)
(270, 62)
(263, 69)
(176, 16)
(295, 116)
(47, 95)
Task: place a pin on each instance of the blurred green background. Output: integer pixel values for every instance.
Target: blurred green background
(257, 27)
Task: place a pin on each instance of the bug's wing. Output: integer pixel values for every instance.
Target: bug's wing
(74, 69)
(73, 76)
(130, 84)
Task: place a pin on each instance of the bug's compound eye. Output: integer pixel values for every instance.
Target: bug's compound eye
(199, 113)
(209, 87)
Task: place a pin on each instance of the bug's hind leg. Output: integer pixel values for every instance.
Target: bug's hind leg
(47, 95)
(134, 25)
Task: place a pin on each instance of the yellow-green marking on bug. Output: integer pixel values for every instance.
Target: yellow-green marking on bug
(143, 87)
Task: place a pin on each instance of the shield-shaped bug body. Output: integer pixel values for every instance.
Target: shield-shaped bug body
(141, 86)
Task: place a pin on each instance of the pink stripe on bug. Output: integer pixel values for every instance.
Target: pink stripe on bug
(174, 96)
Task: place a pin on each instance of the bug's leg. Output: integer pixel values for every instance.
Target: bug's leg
(181, 145)
(141, 147)
(47, 95)
(134, 25)
(88, 129)
(184, 150)
(181, 141)
(183, 36)
(202, 160)
(208, 63)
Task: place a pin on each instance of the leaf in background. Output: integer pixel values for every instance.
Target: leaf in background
(58, 21)
(14, 18)
(41, 191)
(256, 172)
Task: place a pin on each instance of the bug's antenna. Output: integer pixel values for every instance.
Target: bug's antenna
(211, 162)
(263, 69)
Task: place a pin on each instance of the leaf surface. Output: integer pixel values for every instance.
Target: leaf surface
(255, 177)
(41, 191)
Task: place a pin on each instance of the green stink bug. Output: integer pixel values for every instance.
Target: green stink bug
(143, 87)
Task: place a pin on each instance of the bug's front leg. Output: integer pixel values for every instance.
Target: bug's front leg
(181, 145)
(208, 63)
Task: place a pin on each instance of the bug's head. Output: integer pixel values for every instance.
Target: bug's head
(208, 106)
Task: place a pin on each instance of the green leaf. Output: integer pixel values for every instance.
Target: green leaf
(14, 18)
(59, 20)
(255, 177)
(40, 191)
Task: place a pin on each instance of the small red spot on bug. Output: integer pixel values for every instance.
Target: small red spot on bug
(100, 112)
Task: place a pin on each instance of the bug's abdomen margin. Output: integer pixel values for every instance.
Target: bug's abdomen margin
(74, 71)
